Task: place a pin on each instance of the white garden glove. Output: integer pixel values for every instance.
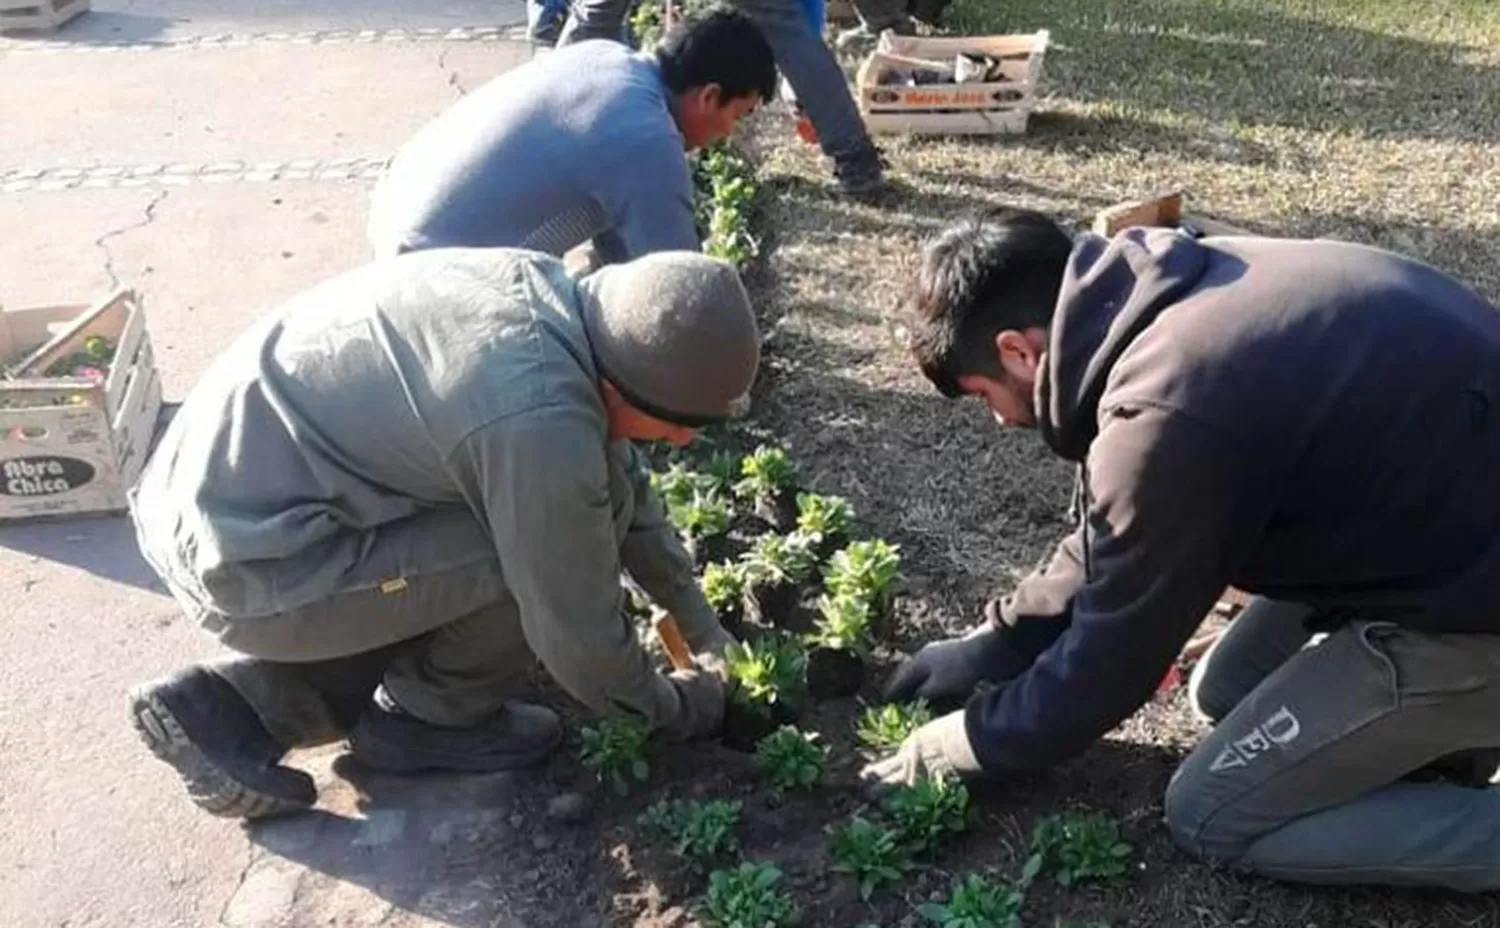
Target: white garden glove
(937, 750)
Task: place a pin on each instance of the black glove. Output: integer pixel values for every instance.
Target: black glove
(945, 672)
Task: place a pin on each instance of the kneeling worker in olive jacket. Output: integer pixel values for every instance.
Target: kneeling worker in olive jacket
(393, 492)
(1315, 422)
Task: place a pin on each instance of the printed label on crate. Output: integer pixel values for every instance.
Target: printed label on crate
(44, 475)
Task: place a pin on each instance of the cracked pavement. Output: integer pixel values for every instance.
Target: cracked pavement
(147, 170)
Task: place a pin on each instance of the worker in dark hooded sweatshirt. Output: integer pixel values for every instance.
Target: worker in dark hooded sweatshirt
(401, 489)
(1314, 422)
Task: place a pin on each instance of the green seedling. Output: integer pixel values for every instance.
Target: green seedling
(1079, 846)
(704, 515)
(768, 472)
(722, 471)
(823, 517)
(723, 586)
(843, 623)
(676, 485)
(645, 24)
(927, 813)
(865, 570)
(977, 903)
(779, 559)
(747, 897)
(698, 831)
(789, 759)
(871, 853)
(615, 751)
(767, 673)
(886, 727)
(724, 193)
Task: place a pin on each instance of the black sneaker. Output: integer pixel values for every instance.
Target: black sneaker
(389, 739)
(861, 173)
(201, 725)
(929, 12)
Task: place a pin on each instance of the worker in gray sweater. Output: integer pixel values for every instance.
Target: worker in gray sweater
(397, 491)
(815, 76)
(588, 143)
(1314, 422)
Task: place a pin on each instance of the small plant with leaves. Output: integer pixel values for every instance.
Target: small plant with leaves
(776, 566)
(722, 471)
(703, 515)
(1079, 846)
(977, 903)
(843, 623)
(770, 482)
(676, 486)
(767, 674)
(825, 520)
(836, 665)
(748, 896)
(724, 587)
(698, 831)
(615, 751)
(886, 727)
(724, 195)
(928, 812)
(865, 570)
(871, 853)
(790, 759)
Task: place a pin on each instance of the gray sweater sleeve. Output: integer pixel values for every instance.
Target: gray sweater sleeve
(649, 197)
(655, 557)
(542, 482)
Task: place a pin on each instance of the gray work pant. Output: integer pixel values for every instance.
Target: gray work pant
(446, 641)
(1306, 775)
(806, 61)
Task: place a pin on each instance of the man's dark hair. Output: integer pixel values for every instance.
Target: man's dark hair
(996, 270)
(723, 47)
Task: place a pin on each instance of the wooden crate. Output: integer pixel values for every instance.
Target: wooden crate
(1163, 209)
(71, 445)
(992, 108)
(38, 15)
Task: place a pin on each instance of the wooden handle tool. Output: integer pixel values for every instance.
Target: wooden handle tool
(677, 648)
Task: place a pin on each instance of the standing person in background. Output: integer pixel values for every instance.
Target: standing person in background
(585, 143)
(808, 64)
(876, 16)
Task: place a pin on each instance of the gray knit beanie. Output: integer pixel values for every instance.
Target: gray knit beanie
(675, 334)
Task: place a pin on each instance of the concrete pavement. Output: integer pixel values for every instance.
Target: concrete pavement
(217, 157)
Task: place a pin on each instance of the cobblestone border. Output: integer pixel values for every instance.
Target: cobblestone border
(512, 33)
(16, 180)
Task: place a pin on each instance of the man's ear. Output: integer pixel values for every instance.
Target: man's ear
(711, 96)
(1018, 355)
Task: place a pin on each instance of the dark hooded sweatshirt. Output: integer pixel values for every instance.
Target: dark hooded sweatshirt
(1307, 420)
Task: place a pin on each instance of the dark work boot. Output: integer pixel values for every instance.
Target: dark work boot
(390, 739)
(200, 724)
(861, 172)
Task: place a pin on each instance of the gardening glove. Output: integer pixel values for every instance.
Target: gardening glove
(937, 750)
(710, 653)
(700, 701)
(949, 671)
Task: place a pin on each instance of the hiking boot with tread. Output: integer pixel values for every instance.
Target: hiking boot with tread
(392, 740)
(200, 725)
